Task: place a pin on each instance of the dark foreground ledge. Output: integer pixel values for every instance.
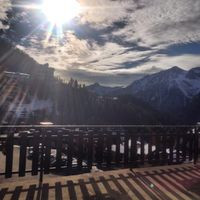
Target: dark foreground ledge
(165, 183)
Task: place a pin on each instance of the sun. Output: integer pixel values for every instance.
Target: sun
(59, 12)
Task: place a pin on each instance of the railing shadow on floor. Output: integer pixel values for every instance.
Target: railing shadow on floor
(148, 182)
(42, 191)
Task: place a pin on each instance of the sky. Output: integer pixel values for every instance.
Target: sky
(113, 42)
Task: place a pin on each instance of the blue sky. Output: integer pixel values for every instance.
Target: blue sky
(192, 48)
(112, 42)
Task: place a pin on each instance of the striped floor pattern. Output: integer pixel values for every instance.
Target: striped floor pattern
(165, 183)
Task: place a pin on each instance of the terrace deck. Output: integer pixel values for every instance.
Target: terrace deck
(154, 183)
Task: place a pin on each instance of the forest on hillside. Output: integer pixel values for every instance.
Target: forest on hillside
(71, 102)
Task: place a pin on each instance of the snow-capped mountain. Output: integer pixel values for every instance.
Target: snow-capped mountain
(169, 90)
(187, 82)
(102, 90)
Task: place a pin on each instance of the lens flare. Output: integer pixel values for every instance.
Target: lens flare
(58, 12)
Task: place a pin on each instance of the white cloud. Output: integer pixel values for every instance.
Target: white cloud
(185, 61)
(155, 24)
(102, 13)
(164, 22)
(5, 5)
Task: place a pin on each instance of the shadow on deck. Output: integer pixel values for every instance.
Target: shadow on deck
(165, 183)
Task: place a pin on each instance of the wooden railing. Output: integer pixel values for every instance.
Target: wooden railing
(78, 148)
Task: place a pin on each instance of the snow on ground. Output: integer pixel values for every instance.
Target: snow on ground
(34, 105)
(146, 147)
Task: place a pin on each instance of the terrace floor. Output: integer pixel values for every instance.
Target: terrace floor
(165, 182)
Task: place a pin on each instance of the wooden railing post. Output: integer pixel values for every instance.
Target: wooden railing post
(191, 145)
(9, 154)
(47, 144)
(142, 138)
(70, 152)
(90, 150)
(196, 145)
(184, 145)
(22, 157)
(117, 153)
(96, 147)
(35, 159)
(178, 147)
(42, 156)
(80, 151)
(59, 147)
(100, 149)
(126, 147)
(108, 153)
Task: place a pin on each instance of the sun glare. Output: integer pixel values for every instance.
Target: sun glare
(59, 12)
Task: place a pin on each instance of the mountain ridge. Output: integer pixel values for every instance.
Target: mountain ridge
(169, 91)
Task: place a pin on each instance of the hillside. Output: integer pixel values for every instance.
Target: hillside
(43, 97)
(172, 92)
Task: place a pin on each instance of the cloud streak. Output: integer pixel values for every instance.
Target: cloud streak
(5, 5)
(117, 38)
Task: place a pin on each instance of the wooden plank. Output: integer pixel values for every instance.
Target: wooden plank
(131, 187)
(22, 155)
(31, 192)
(58, 191)
(45, 191)
(16, 193)
(71, 190)
(84, 189)
(143, 187)
(9, 155)
(35, 160)
(3, 192)
(95, 186)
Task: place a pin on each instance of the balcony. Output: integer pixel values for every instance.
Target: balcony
(131, 161)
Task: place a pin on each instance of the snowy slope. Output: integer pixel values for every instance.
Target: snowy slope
(168, 90)
(34, 105)
(173, 78)
(171, 89)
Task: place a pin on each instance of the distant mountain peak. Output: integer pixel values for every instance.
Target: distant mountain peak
(96, 84)
(102, 90)
(196, 69)
(175, 69)
(194, 73)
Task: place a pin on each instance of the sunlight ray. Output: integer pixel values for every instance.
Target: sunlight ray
(7, 92)
(49, 32)
(27, 6)
(11, 106)
(20, 103)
